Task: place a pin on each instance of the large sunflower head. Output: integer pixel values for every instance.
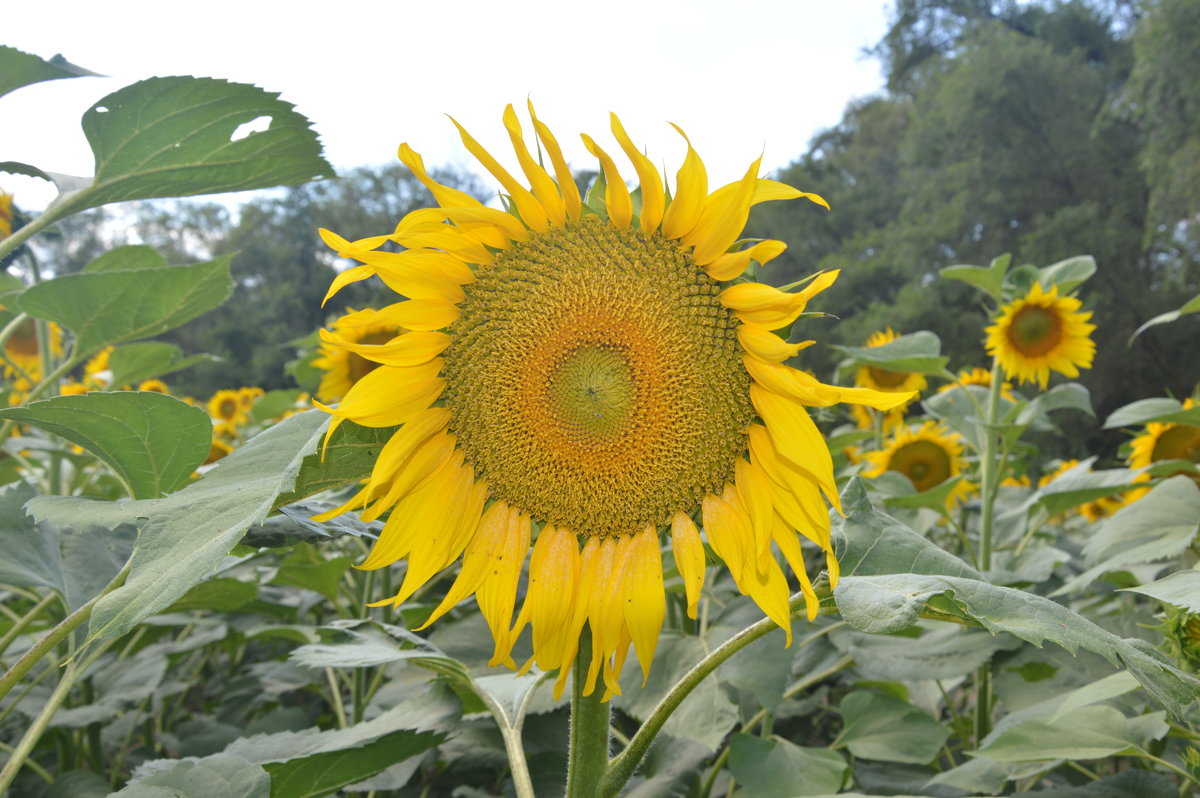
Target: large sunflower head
(928, 455)
(879, 379)
(341, 367)
(583, 379)
(1040, 333)
(1166, 442)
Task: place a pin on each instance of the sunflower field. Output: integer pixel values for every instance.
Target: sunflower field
(567, 512)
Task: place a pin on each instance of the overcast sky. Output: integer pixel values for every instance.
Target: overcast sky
(741, 78)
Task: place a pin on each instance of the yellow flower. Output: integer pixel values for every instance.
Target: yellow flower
(1164, 442)
(96, 371)
(1039, 333)
(928, 456)
(21, 349)
(225, 407)
(217, 450)
(877, 379)
(73, 389)
(343, 368)
(248, 396)
(6, 214)
(980, 377)
(597, 374)
(157, 386)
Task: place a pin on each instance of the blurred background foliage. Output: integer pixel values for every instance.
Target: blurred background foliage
(1044, 129)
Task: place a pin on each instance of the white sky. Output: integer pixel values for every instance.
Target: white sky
(740, 77)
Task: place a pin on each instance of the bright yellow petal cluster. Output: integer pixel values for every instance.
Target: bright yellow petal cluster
(339, 357)
(877, 379)
(928, 455)
(1040, 333)
(443, 503)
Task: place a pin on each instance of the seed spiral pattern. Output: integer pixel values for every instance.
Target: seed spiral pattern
(595, 380)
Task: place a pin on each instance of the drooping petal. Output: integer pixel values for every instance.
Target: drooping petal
(766, 345)
(497, 595)
(646, 603)
(478, 558)
(689, 558)
(796, 437)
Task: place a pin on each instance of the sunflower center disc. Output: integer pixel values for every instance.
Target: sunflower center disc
(1181, 442)
(1035, 330)
(925, 463)
(887, 379)
(595, 381)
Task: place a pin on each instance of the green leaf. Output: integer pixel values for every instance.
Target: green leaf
(153, 442)
(274, 404)
(776, 768)
(1157, 527)
(1067, 274)
(127, 258)
(217, 595)
(18, 168)
(179, 136)
(989, 279)
(945, 652)
(1145, 411)
(18, 68)
(876, 726)
(891, 603)
(870, 542)
(956, 408)
(110, 307)
(325, 576)
(1180, 589)
(1092, 732)
(326, 772)
(1066, 396)
(1080, 485)
(918, 352)
(1191, 306)
(132, 363)
(219, 776)
(932, 499)
(349, 457)
(352, 643)
(184, 536)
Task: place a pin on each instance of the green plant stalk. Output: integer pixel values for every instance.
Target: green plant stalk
(44, 646)
(27, 232)
(38, 727)
(510, 731)
(623, 765)
(590, 717)
(990, 468)
(25, 620)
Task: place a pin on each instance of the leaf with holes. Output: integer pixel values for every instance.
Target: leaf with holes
(153, 442)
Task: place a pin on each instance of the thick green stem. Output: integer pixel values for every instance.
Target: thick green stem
(25, 620)
(991, 466)
(590, 718)
(44, 646)
(622, 766)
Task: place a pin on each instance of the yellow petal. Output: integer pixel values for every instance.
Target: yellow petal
(344, 278)
(769, 589)
(450, 240)
(562, 172)
(603, 618)
(391, 395)
(530, 209)
(497, 595)
(646, 603)
(731, 265)
(796, 437)
(789, 545)
(543, 186)
(616, 193)
(723, 219)
(588, 574)
(691, 190)
(653, 197)
(727, 529)
(410, 349)
(478, 558)
(419, 314)
(755, 491)
(766, 345)
(444, 195)
(507, 225)
(553, 575)
(413, 475)
(689, 558)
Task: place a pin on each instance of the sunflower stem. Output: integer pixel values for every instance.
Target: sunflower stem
(990, 469)
(590, 719)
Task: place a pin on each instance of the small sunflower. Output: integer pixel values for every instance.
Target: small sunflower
(157, 386)
(1040, 333)
(225, 407)
(1164, 442)
(96, 372)
(6, 214)
(21, 349)
(928, 455)
(589, 373)
(248, 396)
(887, 381)
(343, 368)
(980, 377)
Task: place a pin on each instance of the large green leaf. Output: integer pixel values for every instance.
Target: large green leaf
(919, 352)
(1182, 589)
(349, 457)
(890, 603)
(153, 442)
(776, 768)
(1091, 732)
(181, 136)
(127, 258)
(132, 363)
(110, 307)
(945, 652)
(19, 69)
(326, 771)
(219, 776)
(1145, 411)
(185, 535)
(1067, 274)
(876, 726)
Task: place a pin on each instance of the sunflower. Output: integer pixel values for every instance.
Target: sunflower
(1165, 442)
(1097, 508)
(343, 368)
(980, 377)
(248, 396)
(928, 455)
(589, 373)
(157, 386)
(225, 407)
(6, 214)
(97, 374)
(21, 352)
(217, 450)
(877, 379)
(1039, 333)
